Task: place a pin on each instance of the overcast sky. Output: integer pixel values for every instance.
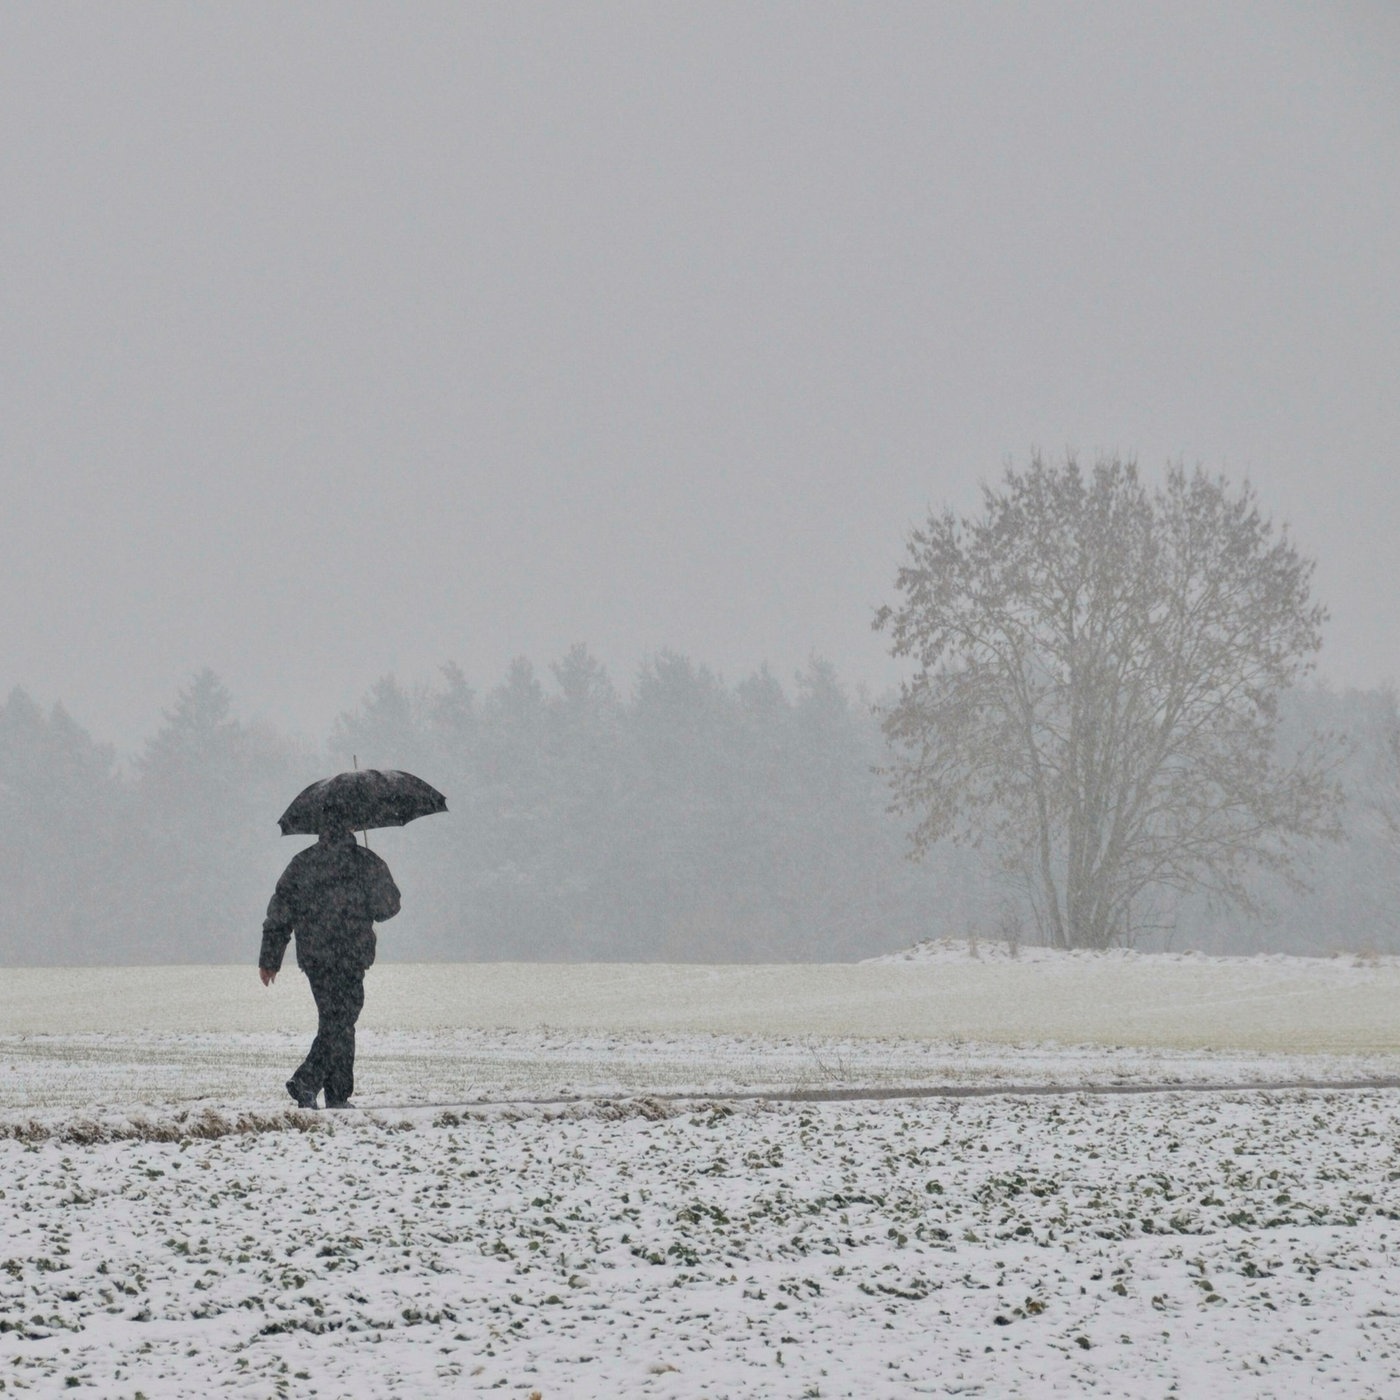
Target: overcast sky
(338, 340)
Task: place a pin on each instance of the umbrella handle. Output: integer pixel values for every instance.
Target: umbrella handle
(364, 830)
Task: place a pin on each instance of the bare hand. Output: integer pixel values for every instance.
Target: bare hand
(268, 976)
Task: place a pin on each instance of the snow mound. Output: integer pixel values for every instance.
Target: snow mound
(965, 950)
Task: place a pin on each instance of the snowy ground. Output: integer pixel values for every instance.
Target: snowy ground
(50, 1077)
(168, 1229)
(1241, 1245)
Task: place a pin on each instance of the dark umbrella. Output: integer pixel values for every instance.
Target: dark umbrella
(367, 797)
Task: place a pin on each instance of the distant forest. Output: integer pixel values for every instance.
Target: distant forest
(689, 820)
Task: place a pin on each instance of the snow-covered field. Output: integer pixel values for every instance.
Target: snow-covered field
(942, 992)
(167, 1229)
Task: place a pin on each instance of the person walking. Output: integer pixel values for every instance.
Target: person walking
(330, 896)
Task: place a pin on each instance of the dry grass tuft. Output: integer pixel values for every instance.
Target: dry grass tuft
(204, 1124)
(652, 1109)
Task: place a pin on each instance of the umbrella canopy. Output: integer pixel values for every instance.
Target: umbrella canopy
(367, 797)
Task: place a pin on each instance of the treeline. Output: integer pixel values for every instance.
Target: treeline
(1347, 894)
(688, 820)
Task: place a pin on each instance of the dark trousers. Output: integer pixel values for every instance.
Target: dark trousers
(330, 1063)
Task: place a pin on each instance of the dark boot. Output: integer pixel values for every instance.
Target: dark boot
(302, 1097)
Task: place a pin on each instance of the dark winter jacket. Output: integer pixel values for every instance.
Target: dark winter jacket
(331, 894)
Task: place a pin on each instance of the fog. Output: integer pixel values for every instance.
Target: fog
(338, 344)
(345, 341)
(676, 820)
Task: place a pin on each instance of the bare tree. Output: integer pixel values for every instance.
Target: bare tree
(1098, 670)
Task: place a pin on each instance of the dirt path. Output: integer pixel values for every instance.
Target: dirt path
(940, 1091)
